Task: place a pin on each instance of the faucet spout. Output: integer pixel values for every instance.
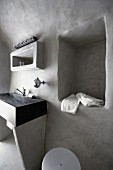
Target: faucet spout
(24, 91)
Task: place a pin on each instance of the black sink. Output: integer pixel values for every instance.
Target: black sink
(18, 109)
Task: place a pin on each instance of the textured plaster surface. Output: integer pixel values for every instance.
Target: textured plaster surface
(89, 75)
(5, 76)
(29, 139)
(86, 33)
(81, 69)
(89, 133)
(66, 67)
(4, 130)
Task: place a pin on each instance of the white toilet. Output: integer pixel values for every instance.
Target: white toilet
(60, 159)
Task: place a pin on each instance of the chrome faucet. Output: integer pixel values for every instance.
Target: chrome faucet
(24, 91)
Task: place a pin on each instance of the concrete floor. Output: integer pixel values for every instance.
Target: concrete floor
(9, 157)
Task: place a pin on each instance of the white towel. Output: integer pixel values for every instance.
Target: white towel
(70, 104)
(89, 101)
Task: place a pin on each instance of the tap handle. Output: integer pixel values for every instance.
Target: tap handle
(24, 91)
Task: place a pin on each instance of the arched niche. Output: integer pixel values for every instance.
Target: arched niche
(81, 60)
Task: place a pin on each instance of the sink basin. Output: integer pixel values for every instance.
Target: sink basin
(17, 100)
(18, 109)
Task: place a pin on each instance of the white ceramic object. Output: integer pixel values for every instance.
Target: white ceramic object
(60, 159)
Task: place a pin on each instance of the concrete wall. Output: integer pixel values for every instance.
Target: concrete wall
(89, 75)
(89, 133)
(4, 83)
(30, 140)
(66, 67)
(4, 68)
(81, 69)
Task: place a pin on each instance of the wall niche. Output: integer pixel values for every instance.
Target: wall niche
(81, 60)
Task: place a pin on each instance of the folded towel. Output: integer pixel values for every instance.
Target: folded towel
(70, 104)
(89, 101)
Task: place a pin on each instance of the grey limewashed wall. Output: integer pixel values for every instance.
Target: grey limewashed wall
(86, 69)
(5, 76)
(89, 134)
(66, 67)
(90, 70)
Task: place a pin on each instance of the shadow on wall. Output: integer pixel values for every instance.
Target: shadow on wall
(81, 61)
(5, 72)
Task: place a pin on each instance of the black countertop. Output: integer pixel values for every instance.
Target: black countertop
(18, 100)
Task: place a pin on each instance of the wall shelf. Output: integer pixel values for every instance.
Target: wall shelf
(27, 58)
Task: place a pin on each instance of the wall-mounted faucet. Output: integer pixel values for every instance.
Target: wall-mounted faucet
(24, 91)
(38, 82)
